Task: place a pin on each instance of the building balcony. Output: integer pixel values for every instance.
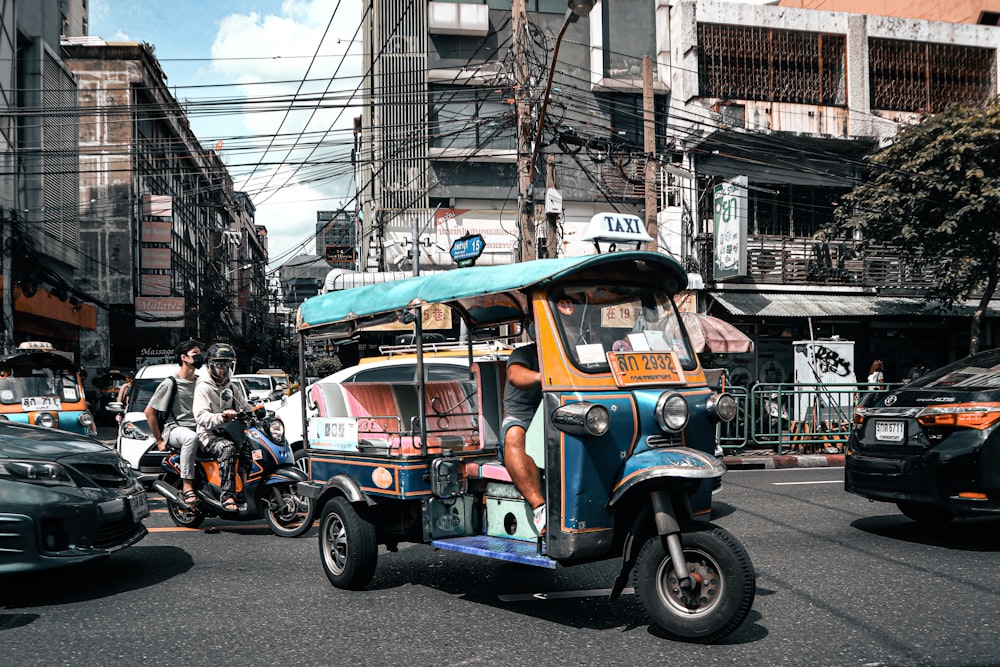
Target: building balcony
(810, 262)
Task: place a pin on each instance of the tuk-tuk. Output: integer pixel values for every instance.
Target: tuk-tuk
(40, 385)
(625, 436)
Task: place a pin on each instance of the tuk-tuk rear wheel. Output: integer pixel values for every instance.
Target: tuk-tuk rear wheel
(347, 545)
(723, 594)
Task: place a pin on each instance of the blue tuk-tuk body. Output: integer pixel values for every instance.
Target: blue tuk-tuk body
(417, 461)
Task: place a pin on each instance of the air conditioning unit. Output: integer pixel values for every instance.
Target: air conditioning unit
(451, 18)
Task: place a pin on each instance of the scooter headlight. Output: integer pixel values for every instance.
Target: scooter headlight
(671, 412)
(722, 407)
(583, 418)
(276, 430)
(45, 420)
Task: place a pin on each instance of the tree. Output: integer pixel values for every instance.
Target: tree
(934, 193)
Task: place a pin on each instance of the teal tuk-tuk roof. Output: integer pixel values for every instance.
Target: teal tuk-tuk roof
(484, 295)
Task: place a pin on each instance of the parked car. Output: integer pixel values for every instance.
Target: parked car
(260, 387)
(67, 499)
(283, 379)
(932, 446)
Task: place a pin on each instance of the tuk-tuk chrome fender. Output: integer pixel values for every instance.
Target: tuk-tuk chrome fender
(666, 462)
(342, 485)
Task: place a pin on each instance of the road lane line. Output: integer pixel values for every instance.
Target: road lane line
(827, 481)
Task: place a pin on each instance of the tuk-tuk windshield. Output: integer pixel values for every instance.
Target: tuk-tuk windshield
(18, 383)
(593, 321)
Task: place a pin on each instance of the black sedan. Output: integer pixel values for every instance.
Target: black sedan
(932, 447)
(64, 499)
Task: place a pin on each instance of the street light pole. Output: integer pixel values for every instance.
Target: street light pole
(526, 172)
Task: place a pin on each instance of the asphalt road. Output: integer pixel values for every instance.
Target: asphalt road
(840, 582)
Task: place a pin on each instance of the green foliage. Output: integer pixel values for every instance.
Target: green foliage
(327, 366)
(934, 193)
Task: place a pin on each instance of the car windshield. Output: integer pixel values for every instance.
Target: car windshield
(256, 384)
(18, 383)
(980, 371)
(142, 391)
(593, 321)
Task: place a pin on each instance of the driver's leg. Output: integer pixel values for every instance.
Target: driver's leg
(225, 452)
(521, 467)
(187, 440)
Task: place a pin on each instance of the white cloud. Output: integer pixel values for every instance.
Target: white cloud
(270, 55)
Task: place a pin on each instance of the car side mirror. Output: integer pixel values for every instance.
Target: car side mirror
(115, 406)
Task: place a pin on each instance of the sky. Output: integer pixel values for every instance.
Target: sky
(235, 65)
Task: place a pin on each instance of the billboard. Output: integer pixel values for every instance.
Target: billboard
(729, 222)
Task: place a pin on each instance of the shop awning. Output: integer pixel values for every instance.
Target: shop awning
(757, 304)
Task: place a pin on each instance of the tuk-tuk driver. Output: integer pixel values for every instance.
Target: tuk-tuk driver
(522, 396)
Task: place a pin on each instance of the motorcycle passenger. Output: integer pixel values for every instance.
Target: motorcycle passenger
(173, 399)
(217, 401)
(522, 396)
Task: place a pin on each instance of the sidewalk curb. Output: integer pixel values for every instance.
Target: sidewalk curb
(784, 461)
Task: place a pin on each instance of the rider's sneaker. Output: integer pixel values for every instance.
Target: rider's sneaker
(538, 516)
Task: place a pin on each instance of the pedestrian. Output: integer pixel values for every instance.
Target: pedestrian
(875, 375)
(916, 370)
(123, 391)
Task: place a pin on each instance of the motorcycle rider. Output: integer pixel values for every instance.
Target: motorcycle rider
(217, 401)
(173, 400)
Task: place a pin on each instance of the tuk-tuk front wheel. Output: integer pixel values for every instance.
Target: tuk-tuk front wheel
(724, 585)
(347, 545)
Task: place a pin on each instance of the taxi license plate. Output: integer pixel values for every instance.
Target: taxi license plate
(889, 431)
(30, 403)
(139, 506)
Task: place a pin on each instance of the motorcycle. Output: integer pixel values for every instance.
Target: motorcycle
(266, 480)
(625, 437)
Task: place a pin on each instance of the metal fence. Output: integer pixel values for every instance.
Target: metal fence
(786, 417)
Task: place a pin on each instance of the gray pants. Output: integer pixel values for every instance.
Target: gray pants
(186, 440)
(224, 450)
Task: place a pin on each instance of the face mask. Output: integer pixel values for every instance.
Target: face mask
(198, 360)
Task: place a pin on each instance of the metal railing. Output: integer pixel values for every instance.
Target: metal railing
(787, 417)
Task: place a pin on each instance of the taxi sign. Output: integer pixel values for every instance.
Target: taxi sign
(468, 248)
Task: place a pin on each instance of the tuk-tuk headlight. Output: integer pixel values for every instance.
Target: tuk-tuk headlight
(86, 419)
(45, 420)
(276, 430)
(583, 418)
(722, 407)
(671, 412)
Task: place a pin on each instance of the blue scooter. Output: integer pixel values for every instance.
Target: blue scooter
(266, 480)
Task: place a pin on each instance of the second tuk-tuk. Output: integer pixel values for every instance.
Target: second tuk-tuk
(625, 436)
(41, 386)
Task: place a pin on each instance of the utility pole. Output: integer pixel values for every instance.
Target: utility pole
(649, 148)
(522, 76)
(551, 217)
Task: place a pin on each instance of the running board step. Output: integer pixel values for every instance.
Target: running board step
(498, 548)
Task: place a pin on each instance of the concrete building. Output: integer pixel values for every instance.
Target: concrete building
(172, 250)
(779, 102)
(38, 187)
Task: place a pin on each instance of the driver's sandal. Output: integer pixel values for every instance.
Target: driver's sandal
(229, 504)
(189, 498)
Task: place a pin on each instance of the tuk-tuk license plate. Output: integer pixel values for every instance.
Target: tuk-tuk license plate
(645, 368)
(138, 505)
(32, 403)
(889, 431)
